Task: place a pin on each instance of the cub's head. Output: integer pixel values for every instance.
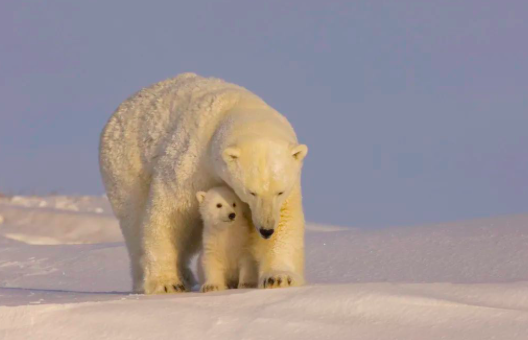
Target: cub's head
(219, 206)
(263, 173)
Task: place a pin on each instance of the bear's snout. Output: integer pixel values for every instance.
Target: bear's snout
(232, 216)
(266, 233)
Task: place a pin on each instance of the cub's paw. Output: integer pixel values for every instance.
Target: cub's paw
(280, 279)
(164, 286)
(247, 285)
(212, 287)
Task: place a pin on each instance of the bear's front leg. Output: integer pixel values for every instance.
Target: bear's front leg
(162, 231)
(281, 267)
(281, 258)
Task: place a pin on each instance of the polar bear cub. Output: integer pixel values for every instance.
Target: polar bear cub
(226, 260)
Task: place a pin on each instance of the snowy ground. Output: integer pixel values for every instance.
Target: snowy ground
(64, 275)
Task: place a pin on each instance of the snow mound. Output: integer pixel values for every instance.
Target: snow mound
(58, 220)
(68, 203)
(477, 251)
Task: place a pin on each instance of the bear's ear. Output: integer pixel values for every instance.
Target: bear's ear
(299, 152)
(200, 196)
(231, 154)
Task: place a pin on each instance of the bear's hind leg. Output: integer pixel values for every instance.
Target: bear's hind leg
(135, 254)
(248, 272)
(129, 207)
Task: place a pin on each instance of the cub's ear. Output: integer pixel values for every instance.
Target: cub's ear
(200, 196)
(231, 154)
(299, 152)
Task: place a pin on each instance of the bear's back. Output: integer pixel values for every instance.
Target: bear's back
(163, 117)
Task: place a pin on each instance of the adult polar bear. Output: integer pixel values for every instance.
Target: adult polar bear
(188, 134)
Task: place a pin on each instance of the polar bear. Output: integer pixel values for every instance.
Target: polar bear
(189, 134)
(226, 259)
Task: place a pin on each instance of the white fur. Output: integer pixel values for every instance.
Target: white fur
(226, 260)
(187, 134)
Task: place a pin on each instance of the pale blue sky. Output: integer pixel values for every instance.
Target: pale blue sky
(414, 111)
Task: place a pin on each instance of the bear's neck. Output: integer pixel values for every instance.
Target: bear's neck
(241, 123)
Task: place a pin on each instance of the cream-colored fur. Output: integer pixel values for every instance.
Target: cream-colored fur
(188, 134)
(226, 259)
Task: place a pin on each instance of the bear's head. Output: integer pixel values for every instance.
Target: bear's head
(219, 206)
(263, 173)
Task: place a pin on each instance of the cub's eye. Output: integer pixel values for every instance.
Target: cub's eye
(234, 205)
(219, 205)
(280, 193)
(252, 193)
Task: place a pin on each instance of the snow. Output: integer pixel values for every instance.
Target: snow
(64, 275)
(58, 220)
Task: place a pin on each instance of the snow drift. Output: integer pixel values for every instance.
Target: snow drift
(64, 274)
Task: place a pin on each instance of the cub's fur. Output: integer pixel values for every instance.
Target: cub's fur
(226, 261)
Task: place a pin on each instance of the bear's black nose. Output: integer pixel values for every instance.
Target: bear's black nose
(266, 233)
(232, 216)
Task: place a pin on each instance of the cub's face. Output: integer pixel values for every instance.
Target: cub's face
(219, 206)
(263, 174)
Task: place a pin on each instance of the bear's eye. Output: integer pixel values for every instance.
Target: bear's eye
(219, 205)
(252, 193)
(234, 205)
(280, 193)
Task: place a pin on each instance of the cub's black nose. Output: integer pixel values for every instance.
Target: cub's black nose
(232, 216)
(266, 233)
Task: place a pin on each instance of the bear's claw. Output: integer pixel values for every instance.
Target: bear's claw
(211, 287)
(280, 280)
(179, 288)
(157, 287)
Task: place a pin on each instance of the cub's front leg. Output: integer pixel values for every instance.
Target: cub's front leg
(214, 271)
